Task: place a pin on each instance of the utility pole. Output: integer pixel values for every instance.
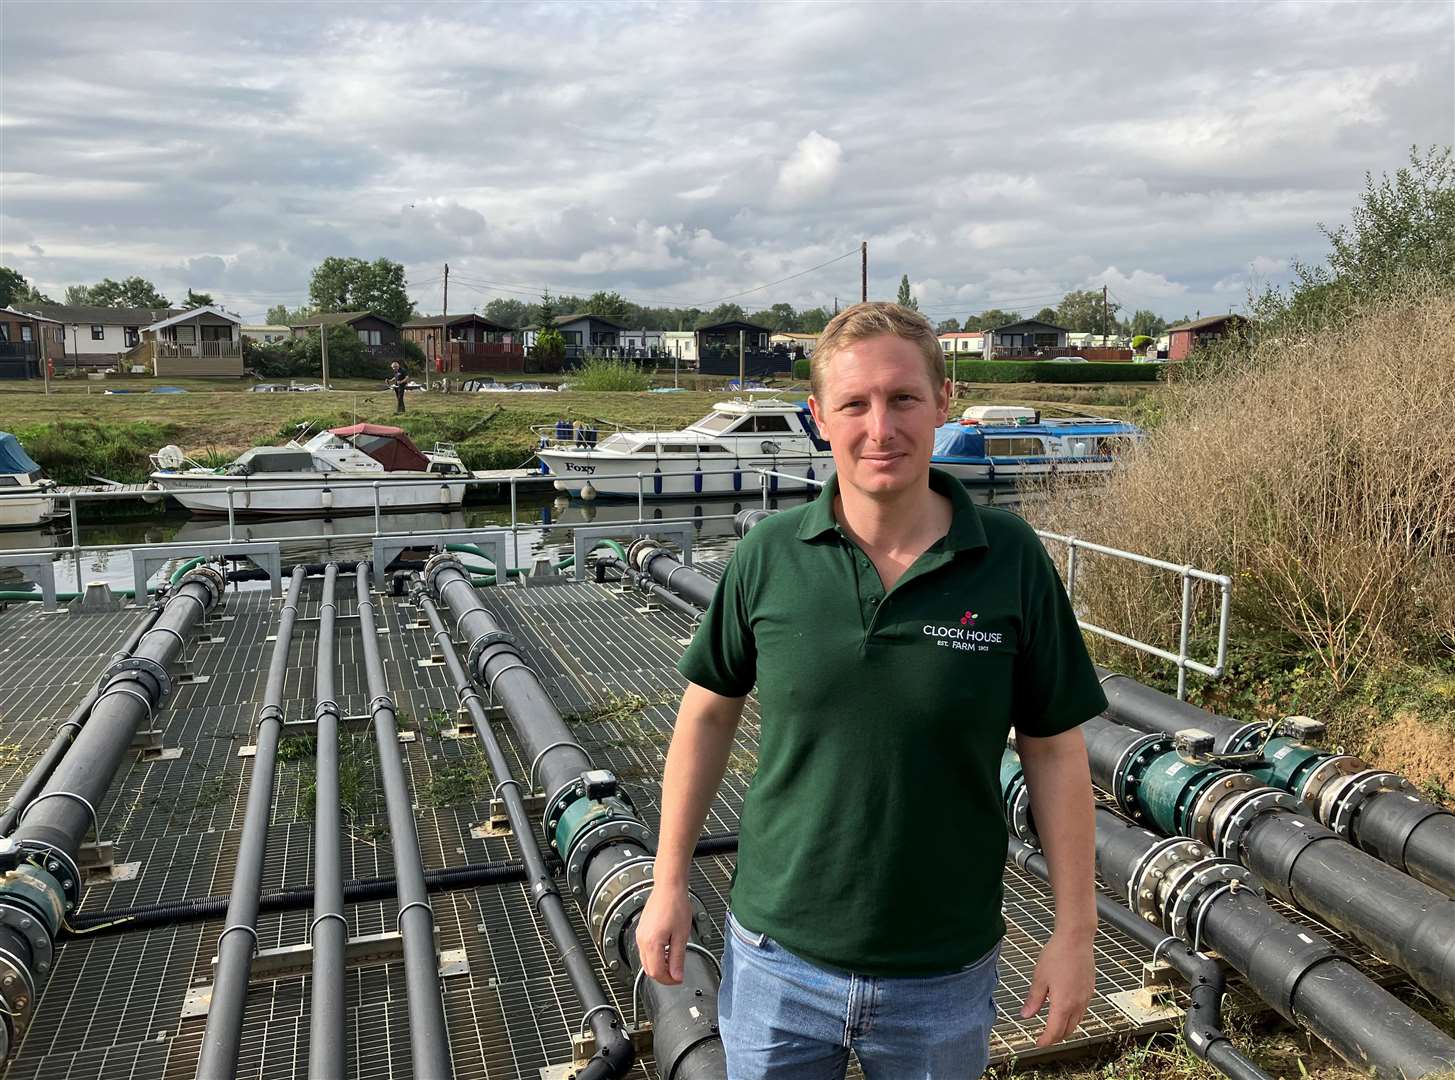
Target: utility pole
(863, 271)
(444, 342)
(323, 347)
(1105, 318)
(742, 362)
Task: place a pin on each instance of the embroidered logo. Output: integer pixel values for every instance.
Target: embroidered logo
(968, 619)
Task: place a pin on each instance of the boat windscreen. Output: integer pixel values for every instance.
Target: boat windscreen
(277, 459)
(392, 452)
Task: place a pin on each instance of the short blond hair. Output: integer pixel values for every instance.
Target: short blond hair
(872, 319)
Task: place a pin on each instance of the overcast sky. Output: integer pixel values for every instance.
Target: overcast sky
(998, 154)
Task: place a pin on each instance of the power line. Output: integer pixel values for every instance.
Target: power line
(780, 281)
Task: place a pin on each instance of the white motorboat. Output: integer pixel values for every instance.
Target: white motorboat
(346, 470)
(721, 454)
(27, 497)
(993, 444)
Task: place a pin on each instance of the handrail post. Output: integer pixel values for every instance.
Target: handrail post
(641, 500)
(1184, 634)
(378, 524)
(1071, 550)
(231, 517)
(514, 540)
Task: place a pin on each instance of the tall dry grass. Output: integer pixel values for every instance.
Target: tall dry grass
(1317, 469)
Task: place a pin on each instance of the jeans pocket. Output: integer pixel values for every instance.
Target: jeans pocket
(758, 942)
(986, 961)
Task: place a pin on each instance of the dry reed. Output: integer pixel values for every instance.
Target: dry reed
(1317, 469)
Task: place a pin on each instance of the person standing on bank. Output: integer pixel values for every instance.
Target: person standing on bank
(895, 632)
(398, 380)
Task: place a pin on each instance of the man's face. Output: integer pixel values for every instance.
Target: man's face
(879, 409)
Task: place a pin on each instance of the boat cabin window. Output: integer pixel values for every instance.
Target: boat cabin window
(1016, 447)
(719, 423)
(776, 424)
(679, 448)
(1112, 445)
(448, 468)
(9, 481)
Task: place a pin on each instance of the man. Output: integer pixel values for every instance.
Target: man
(895, 633)
(397, 382)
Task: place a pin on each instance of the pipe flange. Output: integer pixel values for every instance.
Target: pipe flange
(1246, 738)
(1018, 814)
(1192, 884)
(62, 871)
(1144, 886)
(1204, 808)
(1250, 806)
(642, 545)
(437, 562)
(609, 830)
(29, 906)
(484, 641)
(1328, 770)
(627, 907)
(1138, 753)
(626, 874)
(149, 668)
(561, 799)
(17, 993)
(210, 578)
(1344, 802)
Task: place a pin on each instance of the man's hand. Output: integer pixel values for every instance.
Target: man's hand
(662, 933)
(1065, 973)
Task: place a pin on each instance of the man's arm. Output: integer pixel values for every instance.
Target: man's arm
(1059, 780)
(696, 760)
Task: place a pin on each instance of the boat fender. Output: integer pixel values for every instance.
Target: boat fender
(444, 494)
(697, 479)
(657, 481)
(325, 499)
(737, 477)
(588, 492)
(809, 475)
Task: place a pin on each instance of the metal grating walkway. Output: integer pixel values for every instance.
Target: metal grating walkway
(114, 1006)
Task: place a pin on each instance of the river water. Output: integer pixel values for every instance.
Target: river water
(543, 525)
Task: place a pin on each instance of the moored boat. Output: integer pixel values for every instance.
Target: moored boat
(721, 454)
(992, 444)
(26, 496)
(338, 471)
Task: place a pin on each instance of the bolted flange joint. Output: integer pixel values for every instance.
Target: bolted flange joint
(483, 642)
(1133, 762)
(210, 578)
(1246, 809)
(1191, 884)
(32, 904)
(1340, 803)
(149, 671)
(437, 562)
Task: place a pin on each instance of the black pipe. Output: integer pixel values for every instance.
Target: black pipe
(70, 727)
(429, 1039)
(1293, 969)
(239, 939)
(649, 557)
(614, 1054)
(357, 891)
(585, 804)
(658, 592)
(41, 881)
(744, 520)
(328, 1023)
(1202, 1023)
(1388, 820)
(1305, 864)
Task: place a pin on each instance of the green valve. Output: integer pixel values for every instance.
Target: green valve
(1287, 762)
(584, 813)
(1168, 788)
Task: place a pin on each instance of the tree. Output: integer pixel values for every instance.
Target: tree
(340, 284)
(948, 326)
(1082, 311)
(1046, 315)
(813, 320)
(14, 289)
(991, 318)
(132, 292)
(906, 298)
(609, 305)
(282, 315)
(723, 313)
(507, 312)
(545, 312)
(197, 300)
(779, 318)
(1147, 323)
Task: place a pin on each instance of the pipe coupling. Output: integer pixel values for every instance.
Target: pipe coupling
(1330, 769)
(1189, 887)
(32, 904)
(643, 551)
(1204, 814)
(619, 915)
(17, 999)
(1339, 805)
(150, 671)
(1131, 766)
(1145, 883)
(1246, 809)
(57, 874)
(483, 642)
(1246, 739)
(437, 562)
(210, 578)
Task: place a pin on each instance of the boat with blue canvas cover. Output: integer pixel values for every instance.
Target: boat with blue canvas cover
(993, 444)
(26, 495)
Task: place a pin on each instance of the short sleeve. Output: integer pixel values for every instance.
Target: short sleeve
(723, 657)
(1056, 687)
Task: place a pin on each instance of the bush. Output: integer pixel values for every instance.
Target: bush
(413, 355)
(76, 450)
(1141, 341)
(602, 374)
(1043, 371)
(801, 369)
(1309, 472)
(302, 358)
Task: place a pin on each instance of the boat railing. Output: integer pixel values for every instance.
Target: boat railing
(1076, 548)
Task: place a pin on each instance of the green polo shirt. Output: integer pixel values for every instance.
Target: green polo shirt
(872, 838)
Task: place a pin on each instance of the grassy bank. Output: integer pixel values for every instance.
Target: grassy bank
(75, 435)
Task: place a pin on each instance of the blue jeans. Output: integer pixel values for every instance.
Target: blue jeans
(783, 1018)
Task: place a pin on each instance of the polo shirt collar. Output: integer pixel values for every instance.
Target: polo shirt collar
(966, 531)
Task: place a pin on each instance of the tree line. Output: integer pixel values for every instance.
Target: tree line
(1080, 311)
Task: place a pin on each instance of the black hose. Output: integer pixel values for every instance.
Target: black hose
(328, 1023)
(239, 939)
(360, 890)
(1202, 1023)
(615, 1054)
(429, 1038)
(69, 728)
